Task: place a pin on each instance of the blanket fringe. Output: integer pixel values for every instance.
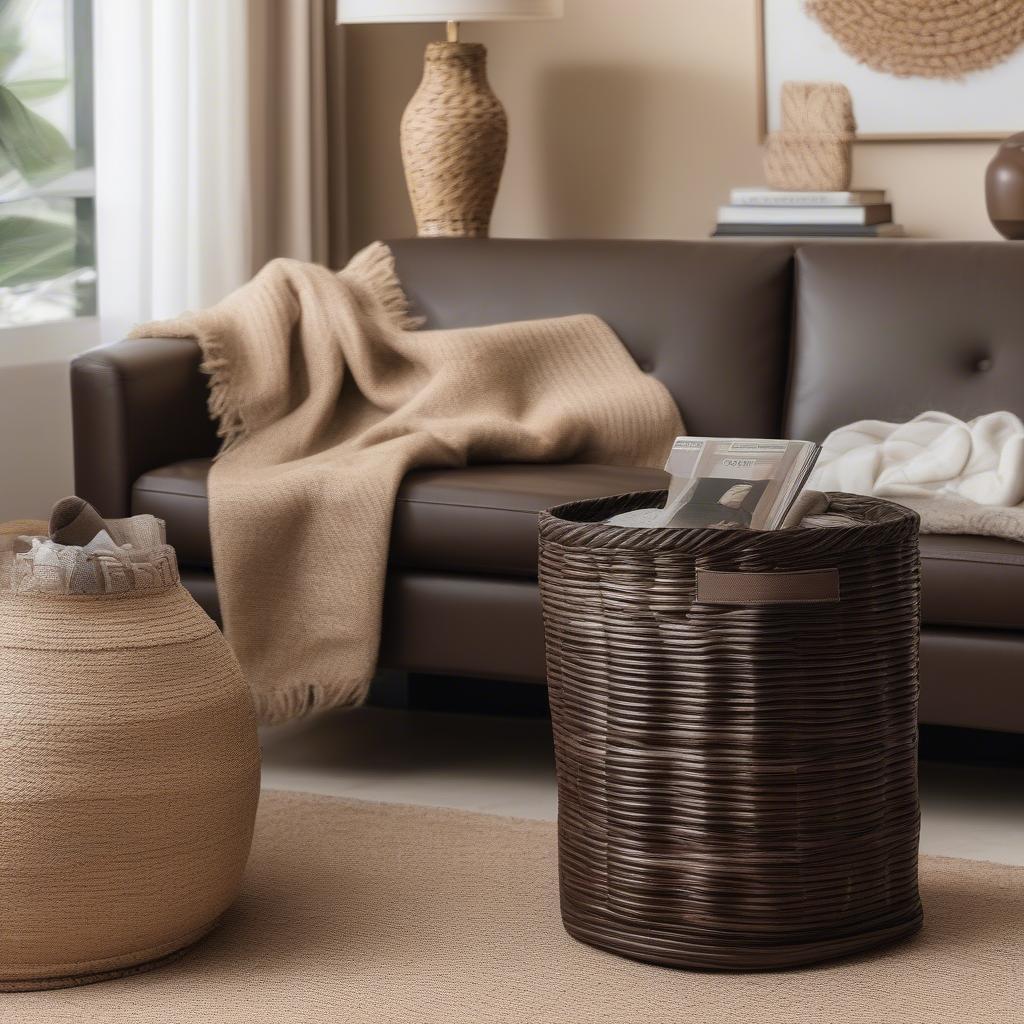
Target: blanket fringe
(224, 409)
(374, 266)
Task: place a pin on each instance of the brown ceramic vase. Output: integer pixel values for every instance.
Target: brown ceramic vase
(1004, 188)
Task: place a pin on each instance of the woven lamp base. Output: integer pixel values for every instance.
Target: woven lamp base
(454, 137)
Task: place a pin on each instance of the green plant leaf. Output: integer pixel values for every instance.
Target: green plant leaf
(9, 53)
(34, 249)
(13, 15)
(29, 90)
(35, 147)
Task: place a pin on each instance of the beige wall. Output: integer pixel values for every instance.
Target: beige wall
(35, 423)
(628, 118)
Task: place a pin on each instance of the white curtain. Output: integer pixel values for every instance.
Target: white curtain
(212, 147)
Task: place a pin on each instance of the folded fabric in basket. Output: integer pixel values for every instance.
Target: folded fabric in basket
(960, 477)
(85, 554)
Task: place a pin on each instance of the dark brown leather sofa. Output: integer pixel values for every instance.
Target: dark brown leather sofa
(752, 339)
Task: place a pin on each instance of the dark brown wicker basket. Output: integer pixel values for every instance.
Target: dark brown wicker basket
(737, 753)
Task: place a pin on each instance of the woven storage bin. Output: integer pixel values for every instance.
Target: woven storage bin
(737, 781)
(129, 777)
(812, 152)
(801, 163)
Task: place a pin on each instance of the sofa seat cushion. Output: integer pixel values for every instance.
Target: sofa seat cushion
(177, 495)
(972, 581)
(483, 519)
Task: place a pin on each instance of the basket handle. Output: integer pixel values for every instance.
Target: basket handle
(805, 586)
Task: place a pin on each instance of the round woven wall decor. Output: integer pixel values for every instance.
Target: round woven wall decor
(924, 38)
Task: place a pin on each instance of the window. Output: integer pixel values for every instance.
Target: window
(47, 211)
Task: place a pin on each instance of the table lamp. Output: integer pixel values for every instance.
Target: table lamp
(454, 131)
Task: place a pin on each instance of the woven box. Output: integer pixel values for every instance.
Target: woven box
(812, 152)
(813, 107)
(807, 163)
(735, 720)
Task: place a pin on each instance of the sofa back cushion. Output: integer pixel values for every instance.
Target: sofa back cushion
(710, 320)
(887, 330)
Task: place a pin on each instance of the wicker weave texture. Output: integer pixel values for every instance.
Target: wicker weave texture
(454, 138)
(129, 778)
(924, 38)
(807, 163)
(812, 152)
(817, 108)
(737, 785)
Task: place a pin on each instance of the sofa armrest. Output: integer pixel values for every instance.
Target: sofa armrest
(135, 406)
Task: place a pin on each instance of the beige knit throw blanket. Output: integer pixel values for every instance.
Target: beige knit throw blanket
(326, 396)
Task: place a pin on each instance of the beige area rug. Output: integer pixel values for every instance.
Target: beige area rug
(356, 912)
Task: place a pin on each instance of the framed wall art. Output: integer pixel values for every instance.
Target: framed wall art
(917, 69)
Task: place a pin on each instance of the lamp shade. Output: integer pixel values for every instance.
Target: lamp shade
(356, 11)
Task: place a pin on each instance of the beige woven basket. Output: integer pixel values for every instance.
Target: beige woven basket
(129, 777)
(812, 152)
(801, 163)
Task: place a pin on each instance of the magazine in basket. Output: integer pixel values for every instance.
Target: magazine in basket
(729, 482)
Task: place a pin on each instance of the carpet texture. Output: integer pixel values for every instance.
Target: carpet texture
(355, 912)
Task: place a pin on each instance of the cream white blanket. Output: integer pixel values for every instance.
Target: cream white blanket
(961, 477)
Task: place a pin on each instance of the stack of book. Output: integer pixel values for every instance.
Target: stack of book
(760, 212)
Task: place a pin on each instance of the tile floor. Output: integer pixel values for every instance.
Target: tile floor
(505, 765)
